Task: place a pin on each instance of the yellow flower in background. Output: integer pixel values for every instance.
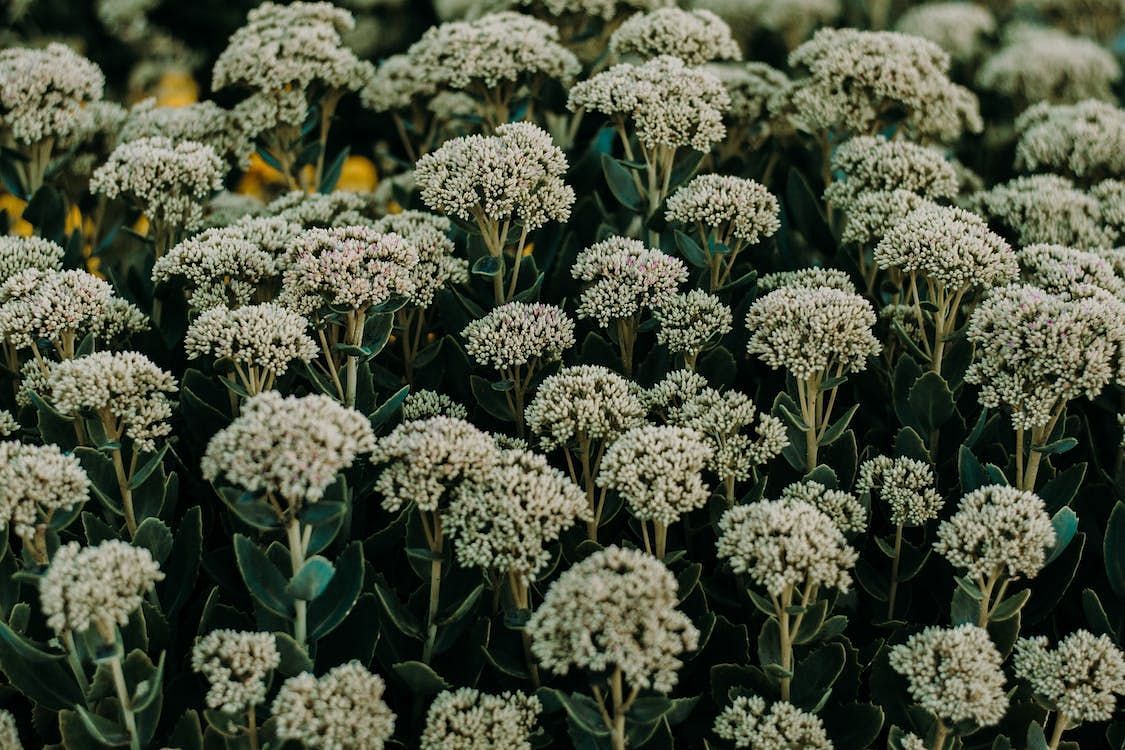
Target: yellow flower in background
(358, 174)
(14, 207)
(176, 88)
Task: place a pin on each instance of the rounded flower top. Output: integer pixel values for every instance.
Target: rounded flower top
(515, 175)
(856, 77)
(997, 528)
(1036, 350)
(168, 181)
(354, 267)
(906, 485)
(286, 47)
(1084, 140)
(950, 247)
(96, 587)
(670, 103)
(237, 666)
(626, 277)
(397, 83)
(734, 207)
(614, 610)
(292, 446)
(427, 458)
(424, 404)
(955, 673)
(496, 49)
(340, 208)
(436, 264)
(203, 122)
(1038, 64)
(503, 516)
(344, 708)
(748, 724)
(1047, 208)
(871, 214)
(587, 402)
(695, 36)
(657, 471)
(1080, 678)
(25, 253)
(843, 508)
(875, 163)
(1064, 270)
(813, 331)
(35, 483)
(125, 385)
(467, 719)
(519, 333)
(784, 543)
(9, 733)
(265, 336)
(960, 28)
(806, 278)
(689, 322)
(46, 94)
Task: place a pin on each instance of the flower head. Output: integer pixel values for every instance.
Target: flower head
(424, 404)
(615, 609)
(906, 485)
(24, 253)
(955, 673)
(734, 207)
(263, 336)
(96, 587)
(806, 278)
(1064, 270)
(695, 36)
(237, 666)
(657, 471)
(1047, 208)
(960, 28)
(202, 122)
(689, 322)
(810, 331)
(874, 163)
(35, 483)
(1038, 64)
(341, 710)
(46, 94)
(784, 543)
(871, 214)
(626, 278)
(9, 734)
(340, 208)
(748, 724)
(467, 719)
(519, 333)
(997, 528)
(292, 446)
(587, 402)
(1080, 678)
(1084, 140)
(843, 508)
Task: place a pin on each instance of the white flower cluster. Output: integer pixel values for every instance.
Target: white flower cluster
(669, 103)
(997, 528)
(785, 543)
(169, 181)
(950, 247)
(9, 734)
(496, 49)
(425, 403)
(1064, 270)
(1039, 64)
(36, 482)
(290, 48)
(98, 586)
(24, 253)
(856, 77)
(732, 207)
(607, 10)
(46, 94)
(955, 673)
(506, 512)
(583, 403)
(657, 471)
(436, 266)
(1080, 678)
(689, 322)
(266, 336)
(519, 333)
(806, 278)
(615, 609)
(342, 710)
(811, 331)
(125, 386)
(515, 175)
(397, 83)
(1036, 350)
(870, 215)
(340, 208)
(1047, 208)
(755, 91)
(695, 36)
(1084, 140)
(748, 724)
(52, 305)
(626, 277)
(793, 20)
(843, 508)
(237, 666)
(292, 446)
(958, 27)
(906, 485)
(353, 267)
(870, 163)
(467, 719)
(426, 459)
(8, 424)
(684, 399)
(202, 122)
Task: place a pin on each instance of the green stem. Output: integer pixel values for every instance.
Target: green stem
(126, 703)
(894, 573)
(1057, 732)
(296, 562)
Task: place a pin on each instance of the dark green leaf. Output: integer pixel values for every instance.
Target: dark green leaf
(154, 536)
(42, 677)
(836, 429)
(331, 173)
(621, 181)
(266, 583)
(311, 579)
(931, 402)
(329, 609)
(1065, 523)
(421, 679)
(488, 265)
(1113, 548)
(1055, 447)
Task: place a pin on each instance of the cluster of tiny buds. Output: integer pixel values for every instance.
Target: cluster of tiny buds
(237, 666)
(518, 334)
